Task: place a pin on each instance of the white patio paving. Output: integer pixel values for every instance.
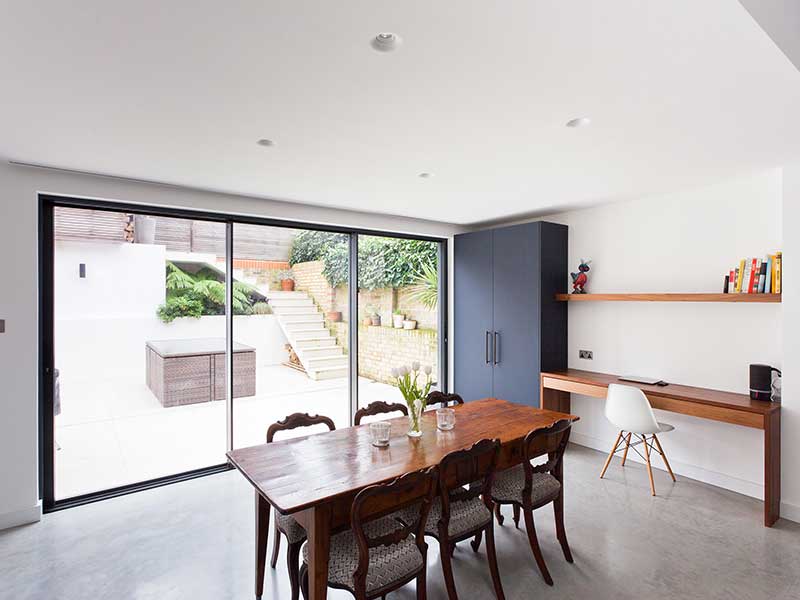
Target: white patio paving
(113, 431)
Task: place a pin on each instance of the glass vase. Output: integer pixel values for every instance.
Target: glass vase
(415, 420)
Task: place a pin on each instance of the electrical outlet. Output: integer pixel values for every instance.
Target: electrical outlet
(586, 354)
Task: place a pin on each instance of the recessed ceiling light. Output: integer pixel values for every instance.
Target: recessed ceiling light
(579, 122)
(386, 41)
(425, 175)
(265, 142)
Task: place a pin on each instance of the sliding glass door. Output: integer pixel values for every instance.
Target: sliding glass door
(139, 336)
(171, 337)
(399, 317)
(290, 344)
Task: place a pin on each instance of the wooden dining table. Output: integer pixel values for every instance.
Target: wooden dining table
(316, 477)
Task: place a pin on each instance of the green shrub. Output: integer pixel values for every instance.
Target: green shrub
(382, 261)
(180, 306)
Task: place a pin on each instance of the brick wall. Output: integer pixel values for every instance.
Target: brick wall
(308, 278)
(382, 349)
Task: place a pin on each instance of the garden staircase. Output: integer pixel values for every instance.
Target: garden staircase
(302, 323)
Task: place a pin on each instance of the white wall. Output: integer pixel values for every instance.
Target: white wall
(790, 409)
(122, 280)
(682, 242)
(19, 188)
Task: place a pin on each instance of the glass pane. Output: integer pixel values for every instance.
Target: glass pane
(398, 316)
(289, 327)
(139, 333)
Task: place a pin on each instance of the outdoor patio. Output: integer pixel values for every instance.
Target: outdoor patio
(112, 430)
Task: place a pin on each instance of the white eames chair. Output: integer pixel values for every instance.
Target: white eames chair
(629, 410)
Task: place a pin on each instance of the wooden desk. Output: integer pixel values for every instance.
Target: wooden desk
(726, 407)
(316, 477)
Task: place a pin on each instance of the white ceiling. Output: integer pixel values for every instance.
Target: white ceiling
(680, 93)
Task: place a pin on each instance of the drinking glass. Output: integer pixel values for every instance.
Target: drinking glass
(445, 419)
(379, 431)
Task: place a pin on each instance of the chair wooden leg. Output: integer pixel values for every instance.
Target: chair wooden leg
(304, 580)
(276, 546)
(516, 515)
(561, 533)
(445, 553)
(627, 446)
(534, 541)
(664, 457)
(649, 468)
(611, 455)
(476, 542)
(422, 586)
(293, 564)
(491, 553)
(499, 515)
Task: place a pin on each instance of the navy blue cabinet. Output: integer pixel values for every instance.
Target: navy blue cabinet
(508, 326)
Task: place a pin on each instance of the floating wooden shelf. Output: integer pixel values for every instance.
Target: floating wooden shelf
(668, 297)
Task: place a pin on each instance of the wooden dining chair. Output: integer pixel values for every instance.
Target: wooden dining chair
(286, 524)
(379, 555)
(461, 512)
(527, 487)
(443, 400)
(378, 408)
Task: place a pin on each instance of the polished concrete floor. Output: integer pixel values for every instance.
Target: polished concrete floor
(194, 540)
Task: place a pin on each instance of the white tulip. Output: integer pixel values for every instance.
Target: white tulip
(415, 365)
(428, 369)
(395, 373)
(403, 371)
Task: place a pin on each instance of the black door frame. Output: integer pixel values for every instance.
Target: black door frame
(47, 202)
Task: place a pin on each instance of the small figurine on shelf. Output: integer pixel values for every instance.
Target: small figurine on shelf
(580, 278)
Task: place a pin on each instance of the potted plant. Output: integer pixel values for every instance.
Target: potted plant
(367, 319)
(334, 316)
(286, 278)
(397, 319)
(407, 379)
(409, 323)
(376, 319)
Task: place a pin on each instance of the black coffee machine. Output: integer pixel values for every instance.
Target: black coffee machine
(761, 381)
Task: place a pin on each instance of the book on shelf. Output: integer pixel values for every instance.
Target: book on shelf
(755, 276)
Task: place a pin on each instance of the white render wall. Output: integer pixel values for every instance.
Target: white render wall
(19, 210)
(682, 242)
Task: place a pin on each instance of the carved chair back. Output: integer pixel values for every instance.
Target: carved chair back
(552, 440)
(378, 408)
(296, 420)
(467, 467)
(416, 489)
(443, 400)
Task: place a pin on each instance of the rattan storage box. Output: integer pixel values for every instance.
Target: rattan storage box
(181, 372)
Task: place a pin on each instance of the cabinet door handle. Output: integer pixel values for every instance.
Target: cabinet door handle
(496, 347)
(486, 350)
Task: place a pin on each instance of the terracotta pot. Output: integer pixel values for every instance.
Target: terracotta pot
(376, 320)
(366, 321)
(287, 285)
(334, 316)
(409, 324)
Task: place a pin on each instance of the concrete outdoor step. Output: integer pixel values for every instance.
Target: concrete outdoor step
(302, 318)
(320, 363)
(309, 334)
(328, 342)
(282, 294)
(304, 325)
(325, 352)
(328, 373)
(295, 310)
(287, 302)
